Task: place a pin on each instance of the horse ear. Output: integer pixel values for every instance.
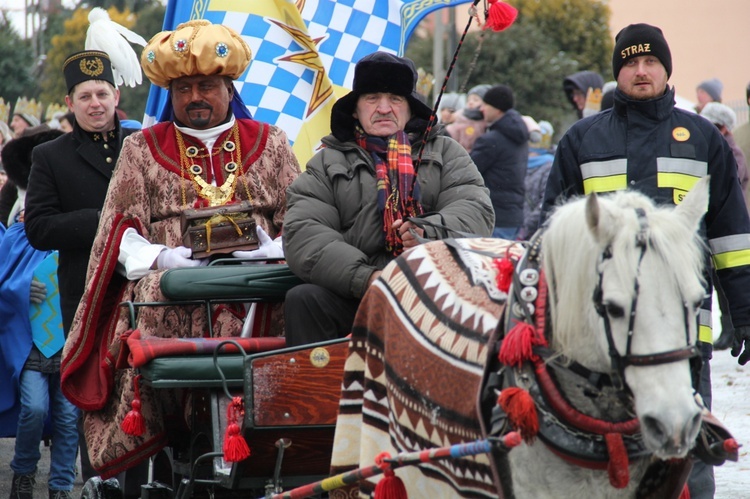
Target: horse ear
(695, 203)
(592, 212)
(598, 219)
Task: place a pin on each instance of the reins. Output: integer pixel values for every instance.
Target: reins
(620, 362)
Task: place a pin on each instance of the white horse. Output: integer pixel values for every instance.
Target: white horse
(643, 266)
(609, 374)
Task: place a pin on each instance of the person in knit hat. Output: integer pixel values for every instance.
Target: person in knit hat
(450, 103)
(646, 143)
(725, 119)
(363, 200)
(539, 164)
(468, 123)
(708, 91)
(742, 135)
(501, 155)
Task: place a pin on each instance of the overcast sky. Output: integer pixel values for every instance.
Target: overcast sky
(15, 10)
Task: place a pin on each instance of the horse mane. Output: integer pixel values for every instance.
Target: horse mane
(570, 257)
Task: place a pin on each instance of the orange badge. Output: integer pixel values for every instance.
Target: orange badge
(469, 130)
(681, 134)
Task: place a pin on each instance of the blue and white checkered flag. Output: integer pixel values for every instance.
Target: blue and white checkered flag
(304, 53)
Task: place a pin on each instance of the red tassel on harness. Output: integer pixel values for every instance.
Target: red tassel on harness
(389, 486)
(618, 466)
(517, 346)
(521, 410)
(685, 494)
(505, 269)
(235, 446)
(133, 424)
(500, 15)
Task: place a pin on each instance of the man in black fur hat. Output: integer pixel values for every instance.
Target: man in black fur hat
(363, 199)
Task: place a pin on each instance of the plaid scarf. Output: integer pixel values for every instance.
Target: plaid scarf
(398, 191)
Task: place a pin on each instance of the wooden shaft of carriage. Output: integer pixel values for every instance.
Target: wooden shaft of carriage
(505, 443)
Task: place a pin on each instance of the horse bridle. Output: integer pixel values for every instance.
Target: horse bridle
(620, 362)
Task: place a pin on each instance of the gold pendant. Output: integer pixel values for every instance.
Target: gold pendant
(216, 196)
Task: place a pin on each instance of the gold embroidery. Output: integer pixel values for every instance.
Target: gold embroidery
(91, 67)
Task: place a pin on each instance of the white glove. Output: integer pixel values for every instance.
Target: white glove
(268, 248)
(173, 258)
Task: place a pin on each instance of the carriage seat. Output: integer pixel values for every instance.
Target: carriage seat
(183, 362)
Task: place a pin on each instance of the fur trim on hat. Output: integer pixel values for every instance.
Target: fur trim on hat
(16, 155)
(719, 114)
(374, 73)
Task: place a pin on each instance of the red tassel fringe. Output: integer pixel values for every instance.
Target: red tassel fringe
(235, 447)
(505, 269)
(521, 410)
(518, 344)
(389, 486)
(134, 424)
(618, 466)
(500, 16)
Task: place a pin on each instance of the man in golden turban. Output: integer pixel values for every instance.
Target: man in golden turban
(208, 155)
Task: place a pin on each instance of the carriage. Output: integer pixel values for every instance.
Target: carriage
(491, 368)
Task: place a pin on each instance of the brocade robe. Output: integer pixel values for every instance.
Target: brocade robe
(149, 189)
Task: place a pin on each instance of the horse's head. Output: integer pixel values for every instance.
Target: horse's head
(626, 284)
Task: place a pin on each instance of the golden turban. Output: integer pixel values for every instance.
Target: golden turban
(195, 48)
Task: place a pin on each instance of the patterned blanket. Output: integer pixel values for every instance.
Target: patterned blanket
(412, 379)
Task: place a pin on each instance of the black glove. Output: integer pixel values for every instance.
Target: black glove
(38, 292)
(741, 337)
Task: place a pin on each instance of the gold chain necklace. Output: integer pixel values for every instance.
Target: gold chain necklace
(215, 195)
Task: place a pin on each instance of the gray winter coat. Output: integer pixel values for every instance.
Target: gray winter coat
(333, 229)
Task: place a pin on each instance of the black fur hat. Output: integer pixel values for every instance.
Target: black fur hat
(378, 72)
(16, 154)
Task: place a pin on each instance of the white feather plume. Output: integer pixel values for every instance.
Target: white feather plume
(103, 35)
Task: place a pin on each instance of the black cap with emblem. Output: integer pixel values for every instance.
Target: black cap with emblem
(87, 65)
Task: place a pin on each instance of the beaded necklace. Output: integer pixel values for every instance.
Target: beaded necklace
(215, 195)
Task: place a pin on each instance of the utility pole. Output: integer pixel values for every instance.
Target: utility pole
(452, 44)
(438, 54)
(34, 14)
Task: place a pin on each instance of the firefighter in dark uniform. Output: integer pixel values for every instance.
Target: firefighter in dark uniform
(645, 143)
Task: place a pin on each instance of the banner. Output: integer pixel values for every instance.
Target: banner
(304, 53)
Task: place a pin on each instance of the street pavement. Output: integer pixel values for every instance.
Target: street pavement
(40, 491)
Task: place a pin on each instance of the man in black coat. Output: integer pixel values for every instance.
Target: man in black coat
(501, 155)
(70, 175)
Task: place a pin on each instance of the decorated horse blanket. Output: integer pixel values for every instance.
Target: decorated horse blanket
(430, 315)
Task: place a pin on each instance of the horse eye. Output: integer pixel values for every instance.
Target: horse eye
(615, 311)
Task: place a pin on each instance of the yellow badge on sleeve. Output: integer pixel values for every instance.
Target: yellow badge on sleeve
(679, 195)
(680, 134)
